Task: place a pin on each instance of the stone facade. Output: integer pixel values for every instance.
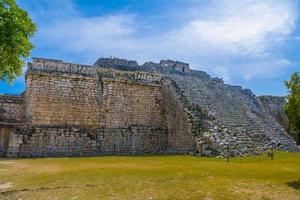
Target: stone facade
(274, 105)
(44, 141)
(11, 109)
(118, 107)
(11, 115)
(71, 110)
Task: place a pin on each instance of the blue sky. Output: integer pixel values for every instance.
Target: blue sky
(252, 43)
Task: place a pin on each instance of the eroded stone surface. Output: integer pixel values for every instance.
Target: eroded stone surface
(274, 105)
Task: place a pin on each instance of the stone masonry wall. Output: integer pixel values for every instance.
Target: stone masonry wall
(45, 141)
(126, 104)
(132, 140)
(41, 141)
(62, 100)
(74, 110)
(180, 135)
(11, 109)
(117, 108)
(91, 103)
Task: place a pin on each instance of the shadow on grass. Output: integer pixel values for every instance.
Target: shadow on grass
(294, 184)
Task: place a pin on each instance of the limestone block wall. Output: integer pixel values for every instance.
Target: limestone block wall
(180, 135)
(126, 103)
(11, 109)
(53, 99)
(73, 110)
(133, 140)
(84, 101)
(45, 141)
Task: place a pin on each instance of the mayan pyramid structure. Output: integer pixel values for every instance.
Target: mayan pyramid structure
(118, 107)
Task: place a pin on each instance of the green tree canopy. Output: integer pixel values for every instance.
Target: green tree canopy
(16, 28)
(292, 106)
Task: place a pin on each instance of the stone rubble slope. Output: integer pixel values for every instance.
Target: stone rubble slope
(245, 126)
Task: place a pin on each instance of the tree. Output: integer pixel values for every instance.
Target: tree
(292, 107)
(16, 28)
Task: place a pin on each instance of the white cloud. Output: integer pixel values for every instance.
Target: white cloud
(231, 38)
(90, 34)
(241, 27)
(270, 68)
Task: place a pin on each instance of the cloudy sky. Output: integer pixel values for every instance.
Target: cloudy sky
(253, 43)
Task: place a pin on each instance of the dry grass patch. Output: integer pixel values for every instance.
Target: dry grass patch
(152, 177)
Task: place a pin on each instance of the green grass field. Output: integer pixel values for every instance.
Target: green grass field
(151, 177)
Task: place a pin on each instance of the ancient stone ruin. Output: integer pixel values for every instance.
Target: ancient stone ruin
(118, 107)
(275, 107)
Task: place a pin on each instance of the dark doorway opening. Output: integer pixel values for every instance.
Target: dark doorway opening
(5, 133)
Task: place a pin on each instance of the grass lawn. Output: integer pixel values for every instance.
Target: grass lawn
(151, 177)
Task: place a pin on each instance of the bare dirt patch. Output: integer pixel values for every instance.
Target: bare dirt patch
(7, 162)
(6, 186)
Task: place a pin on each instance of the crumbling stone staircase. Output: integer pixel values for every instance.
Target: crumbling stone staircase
(239, 118)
